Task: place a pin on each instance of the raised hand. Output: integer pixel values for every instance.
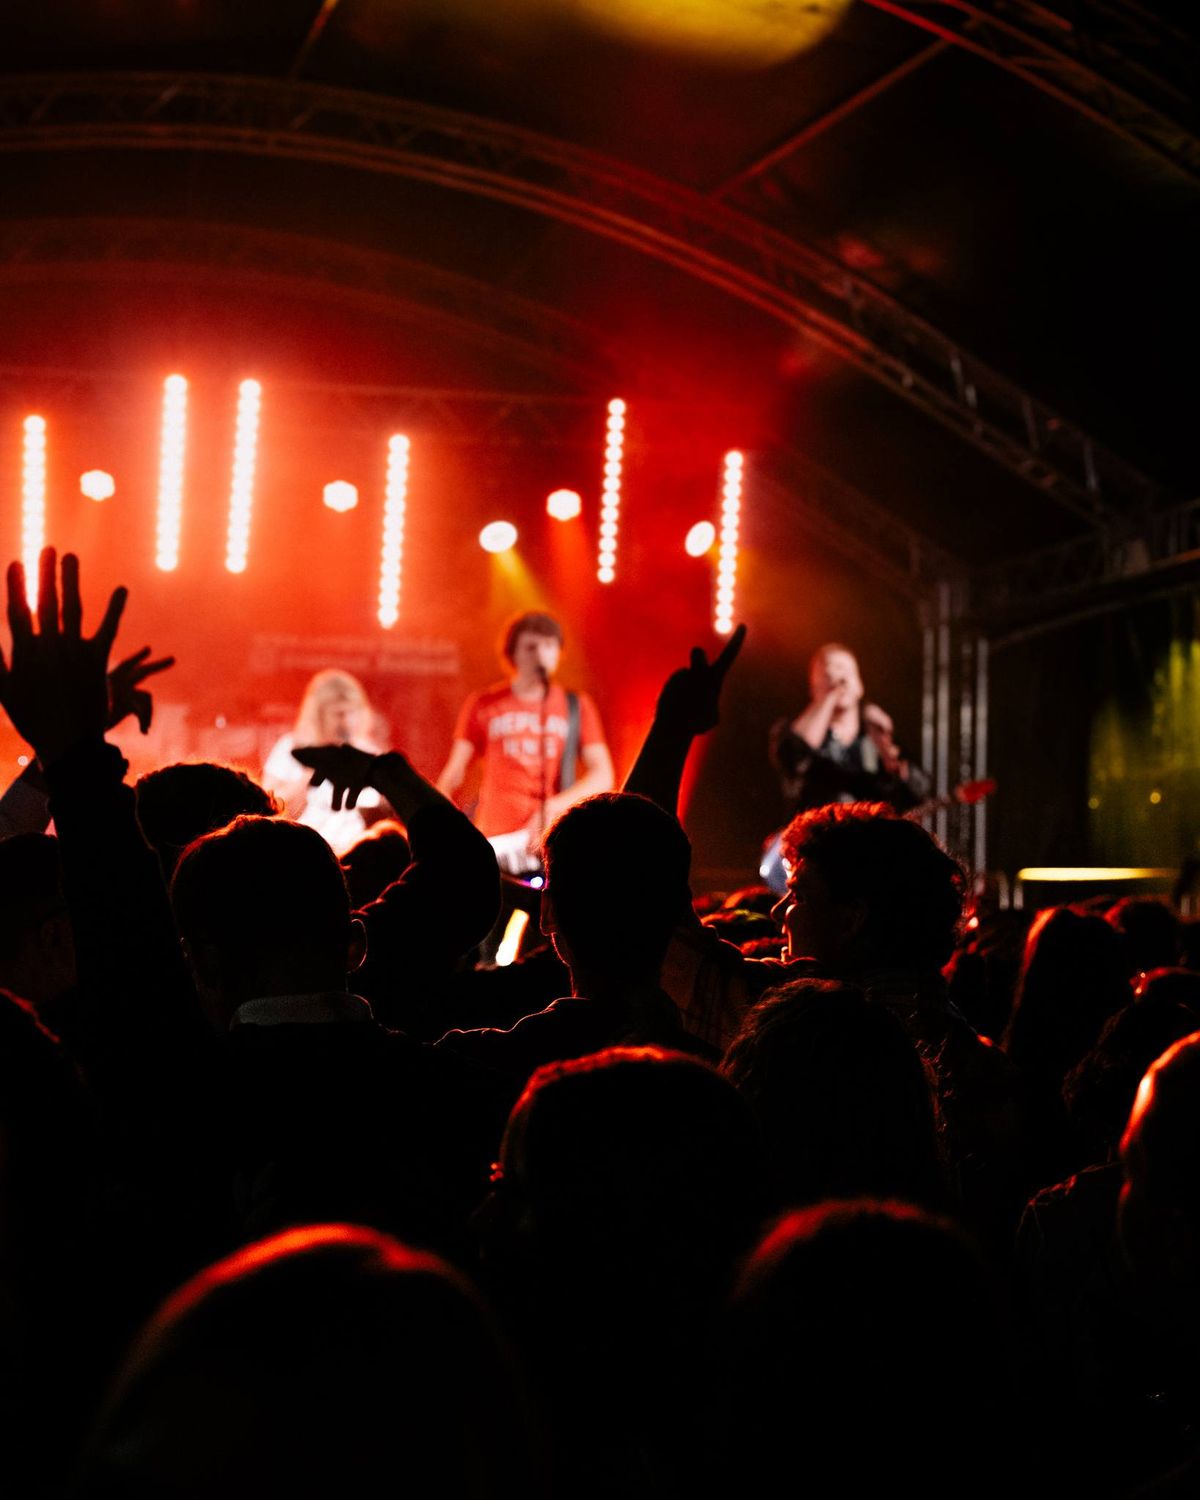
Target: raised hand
(347, 770)
(54, 688)
(126, 695)
(691, 697)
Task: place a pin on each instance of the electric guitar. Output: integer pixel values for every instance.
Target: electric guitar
(512, 853)
(771, 867)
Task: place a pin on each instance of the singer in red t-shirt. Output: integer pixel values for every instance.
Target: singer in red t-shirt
(521, 730)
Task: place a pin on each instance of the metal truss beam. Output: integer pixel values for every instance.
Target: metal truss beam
(791, 282)
(490, 317)
(450, 415)
(796, 490)
(1108, 60)
(797, 140)
(1027, 595)
(791, 489)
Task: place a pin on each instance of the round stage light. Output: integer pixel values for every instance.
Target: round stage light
(498, 536)
(700, 538)
(340, 496)
(97, 485)
(564, 505)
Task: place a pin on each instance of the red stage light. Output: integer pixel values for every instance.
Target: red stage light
(97, 485)
(241, 487)
(340, 496)
(610, 505)
(33, 500)
(564, 505)
(391, 556)
(172, 445)
(498, 536)
(727, 555)
(700, 538)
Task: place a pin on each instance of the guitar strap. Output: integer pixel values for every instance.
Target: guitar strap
(570, 755)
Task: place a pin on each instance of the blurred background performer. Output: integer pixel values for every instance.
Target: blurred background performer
(335, 710)
(542, 747)
(838, 749)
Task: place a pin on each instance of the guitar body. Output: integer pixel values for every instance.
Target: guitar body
(512, 853)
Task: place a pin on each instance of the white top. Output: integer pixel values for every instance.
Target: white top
(283, 772)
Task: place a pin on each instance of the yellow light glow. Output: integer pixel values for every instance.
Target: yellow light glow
(740, 33)
(1083, 873)
(510, 943)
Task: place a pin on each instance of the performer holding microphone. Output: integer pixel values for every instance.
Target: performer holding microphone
(839, 749)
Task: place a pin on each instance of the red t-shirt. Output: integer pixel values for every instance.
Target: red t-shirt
(521, 742)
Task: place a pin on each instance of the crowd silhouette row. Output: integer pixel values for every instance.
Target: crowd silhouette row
(702, 1197)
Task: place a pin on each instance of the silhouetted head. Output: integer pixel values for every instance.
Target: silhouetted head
(1151, 930)
(263, 910)
(37, 949)
(1100, 1089)
(759, 898)
(738, 926)
(868, 890)
(841, 1095)
(329, 1360)
(1072, 979)
(605, 924)
(380, 857)
(1159, 1219)
(635, 1168)
(865, 1340)
(177, 804)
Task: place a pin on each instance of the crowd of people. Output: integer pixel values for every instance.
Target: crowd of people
(827, 1190)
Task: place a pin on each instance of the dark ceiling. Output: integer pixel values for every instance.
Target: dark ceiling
(989, 202)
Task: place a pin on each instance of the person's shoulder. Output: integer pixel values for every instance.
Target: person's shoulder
(488, 697)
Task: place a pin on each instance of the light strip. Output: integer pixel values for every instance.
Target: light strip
(610, 503)
(241, 488)
(727, 553)
(172, 446)
(33, 501)
(391, 557)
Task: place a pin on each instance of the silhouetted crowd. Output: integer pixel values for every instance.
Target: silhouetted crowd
(853, 1190)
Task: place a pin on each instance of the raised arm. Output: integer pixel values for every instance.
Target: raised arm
(57, 692)
(462, 752)
(446, 901)
(688, 705)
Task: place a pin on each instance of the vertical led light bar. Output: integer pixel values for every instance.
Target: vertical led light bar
(33, 501)
(172, 445)
(610, 504)
(391, 554)
(241, 488)
(727, 554)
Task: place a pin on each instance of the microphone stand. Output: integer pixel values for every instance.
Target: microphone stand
(544, 789)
